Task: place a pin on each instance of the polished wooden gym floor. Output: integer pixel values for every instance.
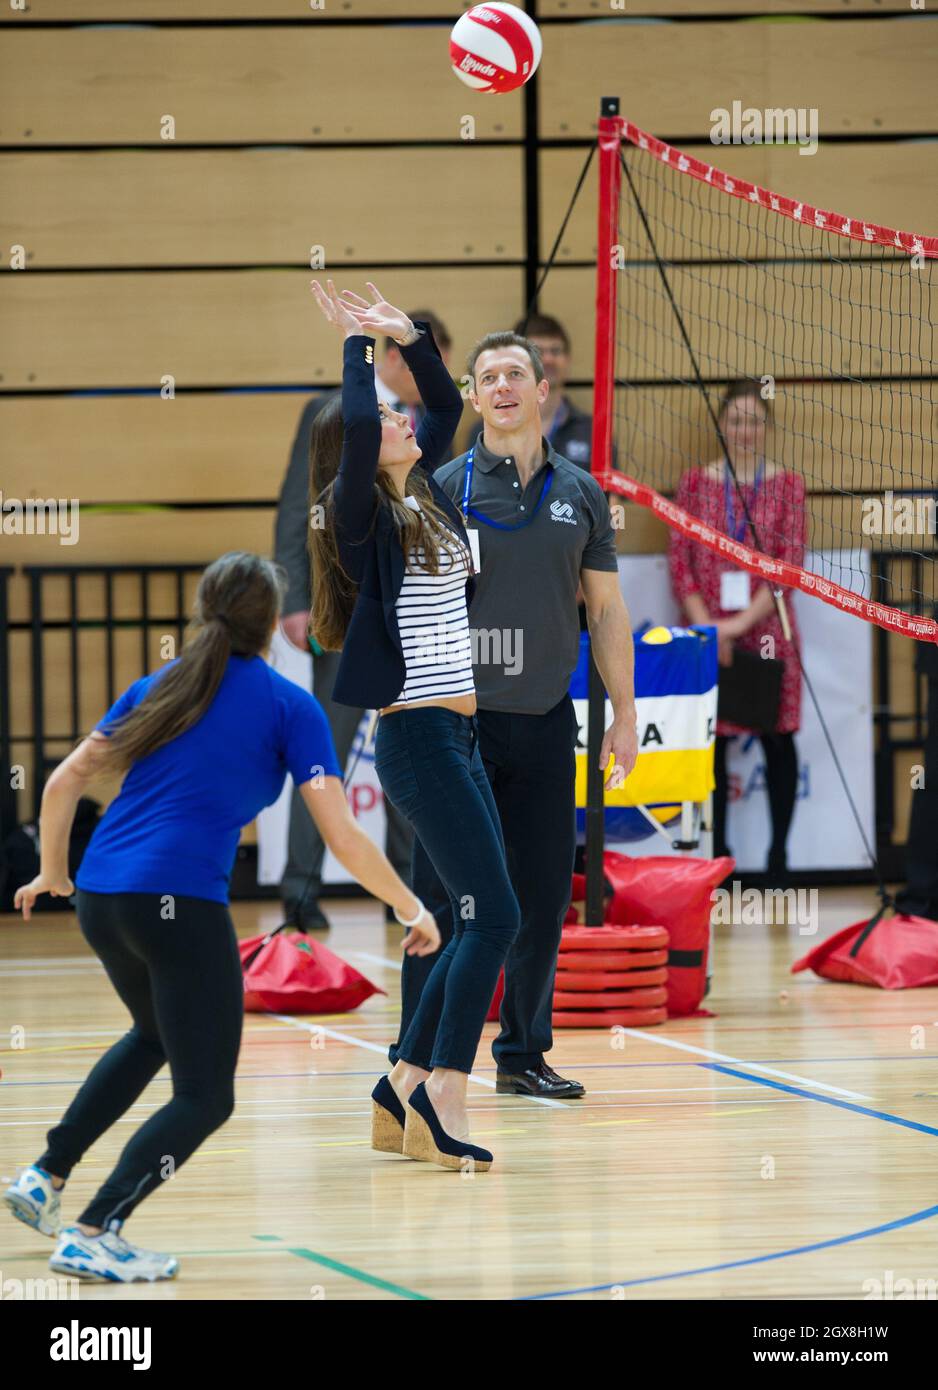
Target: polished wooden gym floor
(787, 1147)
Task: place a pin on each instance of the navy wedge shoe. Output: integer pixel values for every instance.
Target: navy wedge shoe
(425, 1138)
(387, 1119)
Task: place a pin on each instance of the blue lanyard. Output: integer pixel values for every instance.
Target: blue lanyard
(738, 532)
(468, 511)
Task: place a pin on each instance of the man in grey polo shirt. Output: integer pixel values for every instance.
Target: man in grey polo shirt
(540, 526)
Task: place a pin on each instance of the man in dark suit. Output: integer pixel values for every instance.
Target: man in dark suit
(302, 880)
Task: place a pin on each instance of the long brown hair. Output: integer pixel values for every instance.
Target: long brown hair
(333, 589)
(236, 606)
(745, 389)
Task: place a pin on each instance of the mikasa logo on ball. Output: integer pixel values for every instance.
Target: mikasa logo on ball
(562, 511)
(470, 64)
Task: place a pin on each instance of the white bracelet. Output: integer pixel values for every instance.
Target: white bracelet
(413, 922)
(412, 336)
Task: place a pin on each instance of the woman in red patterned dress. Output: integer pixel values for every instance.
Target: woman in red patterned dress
(711, 589)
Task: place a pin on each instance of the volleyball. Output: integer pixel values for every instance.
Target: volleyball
(495, 48)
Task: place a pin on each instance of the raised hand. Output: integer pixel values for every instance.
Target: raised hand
(335, 311)
(379, 318)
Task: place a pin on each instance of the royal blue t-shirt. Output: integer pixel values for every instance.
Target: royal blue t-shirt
(175, 825)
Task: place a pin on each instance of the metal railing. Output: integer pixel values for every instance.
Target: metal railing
(144, 620)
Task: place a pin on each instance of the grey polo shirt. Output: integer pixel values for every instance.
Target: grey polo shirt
(524, 620)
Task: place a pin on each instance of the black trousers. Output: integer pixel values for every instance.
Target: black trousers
(181, 979)
(920, 895)
(530, 762)
(781, 778)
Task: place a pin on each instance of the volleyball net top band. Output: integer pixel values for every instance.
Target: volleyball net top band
(705, 279)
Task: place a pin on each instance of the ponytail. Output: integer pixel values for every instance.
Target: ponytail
(237, 603)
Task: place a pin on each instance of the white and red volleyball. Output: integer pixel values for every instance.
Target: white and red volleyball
(495, 48)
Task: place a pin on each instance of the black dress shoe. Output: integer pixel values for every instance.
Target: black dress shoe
(310, 917)
(541, 1080)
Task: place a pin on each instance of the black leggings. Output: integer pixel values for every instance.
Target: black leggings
(180, 977)
(781, 775)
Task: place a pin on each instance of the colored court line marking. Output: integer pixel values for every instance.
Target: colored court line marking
(738, 1062)
(352, 1273)
(924, 1215)
(605, 1124)
(825, 1100)
(71, 1047)
(275, 1246)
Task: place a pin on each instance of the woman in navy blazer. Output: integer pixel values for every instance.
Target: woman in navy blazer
(392, 578)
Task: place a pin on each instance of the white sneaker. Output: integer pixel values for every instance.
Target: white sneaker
(34, 1201)
(109, 1257)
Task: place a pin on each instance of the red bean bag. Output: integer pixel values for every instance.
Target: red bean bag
(899, 952)
(676, 894)
(286, 973)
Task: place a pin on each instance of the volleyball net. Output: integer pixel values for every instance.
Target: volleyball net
(705, 280)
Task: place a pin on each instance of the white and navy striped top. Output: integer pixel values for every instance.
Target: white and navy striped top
(434, 625)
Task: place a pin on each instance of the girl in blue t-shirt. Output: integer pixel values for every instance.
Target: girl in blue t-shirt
(205, 743)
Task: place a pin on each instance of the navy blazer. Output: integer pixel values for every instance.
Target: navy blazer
(372, 669)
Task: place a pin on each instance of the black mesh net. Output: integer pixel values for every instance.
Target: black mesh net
(832, 322)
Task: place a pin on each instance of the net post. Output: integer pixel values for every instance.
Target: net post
(610, 185)
(610, 178)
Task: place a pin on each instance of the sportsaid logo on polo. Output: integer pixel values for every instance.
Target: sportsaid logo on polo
(562, 511)
(77, 1343)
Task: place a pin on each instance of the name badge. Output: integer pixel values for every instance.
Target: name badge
(474, 548)
(734, 590)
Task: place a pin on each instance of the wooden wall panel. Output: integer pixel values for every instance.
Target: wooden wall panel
(91, 11)
(85, 11)
(138, 538)
(242, 86)
(261, 207)
(218, 328)
(849, 72)
(759, 11)
(200, 447)
(223, 447)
